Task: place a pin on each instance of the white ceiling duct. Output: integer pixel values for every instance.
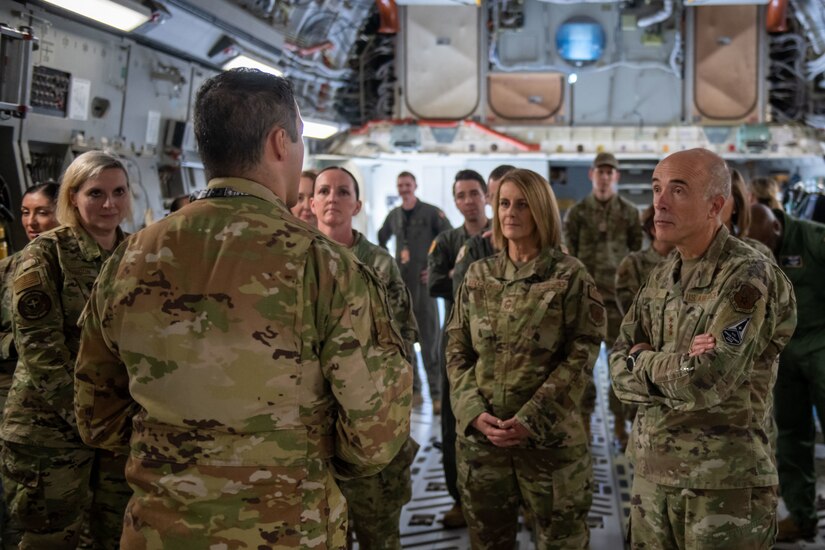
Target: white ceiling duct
(661, 15)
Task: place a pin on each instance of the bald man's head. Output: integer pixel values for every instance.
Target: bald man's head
(717, 174)
(765, 227)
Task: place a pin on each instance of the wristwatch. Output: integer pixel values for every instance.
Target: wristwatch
(630, 362)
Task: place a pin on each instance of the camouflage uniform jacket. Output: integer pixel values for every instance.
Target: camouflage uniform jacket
(231, 335)
(53, 280)
(703, 422)
(632, 273)
(397, 292)
(801, 257)
(600, 235)
(477, 248)
(8, 352)
(522, 342)
(759, 246)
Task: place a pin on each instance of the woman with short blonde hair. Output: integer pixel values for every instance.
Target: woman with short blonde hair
(60, 487)
(523, 337)
(87, 166)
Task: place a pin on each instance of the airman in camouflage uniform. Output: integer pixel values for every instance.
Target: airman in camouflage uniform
(8, 359)
(245, 360)
(522, 342)
(8, 352)
(600, 230)
(697, 353)
(61, 486)
(375, 501)
(37, 215)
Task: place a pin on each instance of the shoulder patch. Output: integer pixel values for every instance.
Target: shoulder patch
(597, 314)
(745, 297)
(432, 247)
(734, 334)
(27, 280)
(34, 305)
(594, 294)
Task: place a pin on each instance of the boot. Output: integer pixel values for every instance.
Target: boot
(454, 518)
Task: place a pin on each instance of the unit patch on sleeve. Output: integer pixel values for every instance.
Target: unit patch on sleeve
(34, 305)
(597, 314)
(745, 297)
(734, 335)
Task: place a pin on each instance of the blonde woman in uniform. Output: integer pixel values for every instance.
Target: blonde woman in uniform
(523, 337)
(66, 494)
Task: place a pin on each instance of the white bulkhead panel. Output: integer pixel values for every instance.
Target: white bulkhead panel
(442, 65)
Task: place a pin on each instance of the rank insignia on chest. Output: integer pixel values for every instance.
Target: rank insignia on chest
(790, 261)
(507, 305)
(734, 334)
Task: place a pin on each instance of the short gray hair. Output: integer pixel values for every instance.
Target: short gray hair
(718, 175)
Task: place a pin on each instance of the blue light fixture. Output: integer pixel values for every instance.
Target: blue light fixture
(580, 41)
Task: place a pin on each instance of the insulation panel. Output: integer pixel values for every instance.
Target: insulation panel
(534, 97)
(726, 66)
(441, 69)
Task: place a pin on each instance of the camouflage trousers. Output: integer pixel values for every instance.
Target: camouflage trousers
(555, 485)
(179, 506)
(665, 518)
(375, 502)
(64, 497)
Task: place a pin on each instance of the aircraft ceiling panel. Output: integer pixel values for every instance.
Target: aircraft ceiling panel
(442, 61)
(627, 96)
(726, 81)
(537, 97)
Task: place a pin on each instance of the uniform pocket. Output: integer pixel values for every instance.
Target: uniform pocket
(46, 493)
(733, 518)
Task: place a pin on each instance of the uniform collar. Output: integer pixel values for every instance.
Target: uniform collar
(707, 262)
(357, 237)
(483, 231)
(593, 201)
(88, 246)
(249, 187)
(538, 267)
